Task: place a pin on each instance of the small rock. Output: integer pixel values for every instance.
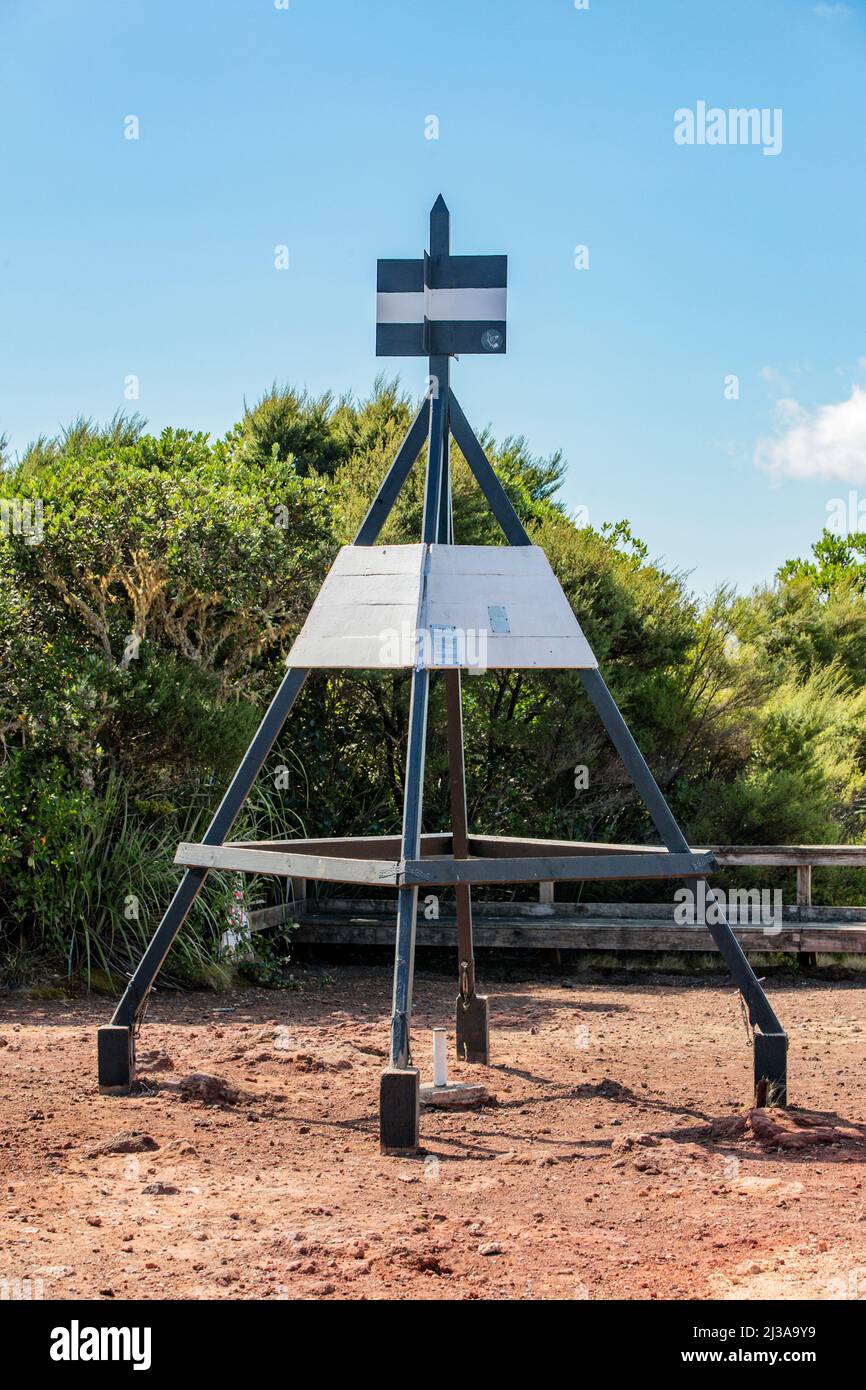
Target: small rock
(210, 1090)
(626, 1142)
(130, 1141)
(180, 1148)
(646, 1165)
(160, 1189)
(490, 1248)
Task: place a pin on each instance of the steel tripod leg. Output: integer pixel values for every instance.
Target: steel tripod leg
(116, 1042)
(399, 1095)
(770, 1039)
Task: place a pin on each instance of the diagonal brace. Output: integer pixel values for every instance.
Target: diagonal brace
(485, 476)
(135, 995)
(380, 508)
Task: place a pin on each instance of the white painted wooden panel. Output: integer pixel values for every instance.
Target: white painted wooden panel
(357, 619)
(370, 589)
(545, 653)
(379, 559)
(541, 591)
(496, 588)
(368, 610)
(524, 619)
(487, 559)
(372, 654)
(345, 653)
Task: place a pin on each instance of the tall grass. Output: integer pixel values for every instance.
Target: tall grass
(86, 897)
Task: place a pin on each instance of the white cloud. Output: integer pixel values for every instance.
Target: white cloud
(829, 442)
(832, 11)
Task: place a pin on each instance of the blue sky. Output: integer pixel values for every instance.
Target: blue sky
(306, 127)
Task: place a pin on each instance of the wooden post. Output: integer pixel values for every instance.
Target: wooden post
(299, 894)
(459, 827)
(546, 895)
(471, 1016)
(808, 959)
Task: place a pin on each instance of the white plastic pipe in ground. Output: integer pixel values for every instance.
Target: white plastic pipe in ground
(440, 1061)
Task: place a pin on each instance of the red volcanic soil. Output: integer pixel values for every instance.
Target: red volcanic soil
(619, 1160)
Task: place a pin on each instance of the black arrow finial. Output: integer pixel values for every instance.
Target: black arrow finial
(440, 228)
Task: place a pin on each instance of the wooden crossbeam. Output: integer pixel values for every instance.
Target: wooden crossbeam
(381, 847)
(513, 846)
(442, 872)
(317, 860)
(262, 861)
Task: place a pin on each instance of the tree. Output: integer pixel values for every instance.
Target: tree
(839, 562)
(170, 577)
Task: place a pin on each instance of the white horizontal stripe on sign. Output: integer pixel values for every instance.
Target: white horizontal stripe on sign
(466, 305)
(406, 307)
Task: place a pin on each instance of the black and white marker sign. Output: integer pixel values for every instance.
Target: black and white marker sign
(441, 304)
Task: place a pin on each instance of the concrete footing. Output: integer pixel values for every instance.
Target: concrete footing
(399, 1109)
(115, 1059)
(455, 1095)
(771, 1069)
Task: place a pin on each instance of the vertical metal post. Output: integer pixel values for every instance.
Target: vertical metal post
(399, 1095)
(445, 524)
(404, 960)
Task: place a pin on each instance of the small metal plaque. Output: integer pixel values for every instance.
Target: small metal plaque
(498, 618)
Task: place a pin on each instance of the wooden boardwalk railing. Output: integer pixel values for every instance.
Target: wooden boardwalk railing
(803, 858)
(804, 929)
